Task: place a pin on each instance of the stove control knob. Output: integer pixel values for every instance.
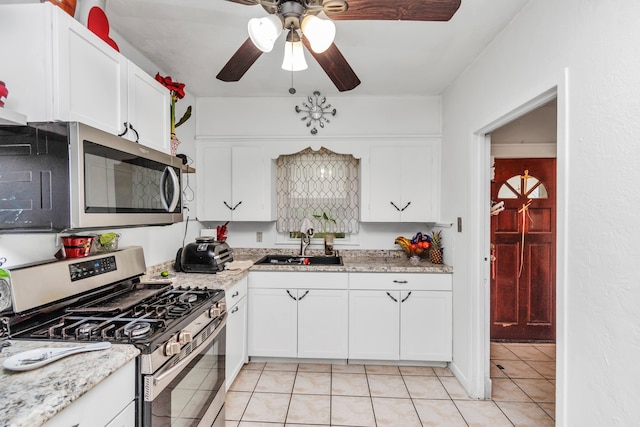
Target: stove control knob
(214, 312)
(171, 348)
(185, 337)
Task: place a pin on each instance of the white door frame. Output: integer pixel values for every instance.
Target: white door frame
(482, 188)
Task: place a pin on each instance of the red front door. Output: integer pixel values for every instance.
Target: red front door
(523, 236)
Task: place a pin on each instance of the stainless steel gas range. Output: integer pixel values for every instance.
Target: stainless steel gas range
(180, 331)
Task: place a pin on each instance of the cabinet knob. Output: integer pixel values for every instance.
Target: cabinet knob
(234, 310)
(400, 281)
(392, 297)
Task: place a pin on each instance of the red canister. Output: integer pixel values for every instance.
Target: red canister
(77, 246)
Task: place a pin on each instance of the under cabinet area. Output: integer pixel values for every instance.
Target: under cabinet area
(401, 183)
(236, 351)
(298, 314)
(58, 70)
(400, 316)
(236, 184)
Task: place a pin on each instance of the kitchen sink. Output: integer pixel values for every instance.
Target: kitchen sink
(299, 260)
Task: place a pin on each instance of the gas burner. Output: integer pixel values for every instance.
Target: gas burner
(84, 330)
(178, 310)
(188, 297)
(137, 329)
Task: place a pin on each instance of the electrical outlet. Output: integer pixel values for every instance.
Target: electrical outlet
(259, 236)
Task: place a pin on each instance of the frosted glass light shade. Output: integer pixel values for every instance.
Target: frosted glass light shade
(264, 32)
(319, 32)
(294, 56)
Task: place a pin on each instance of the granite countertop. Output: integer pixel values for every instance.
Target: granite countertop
(354, 261)
(30, 398)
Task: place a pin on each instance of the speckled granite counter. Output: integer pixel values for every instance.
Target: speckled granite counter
(354, 261)
(30, 398)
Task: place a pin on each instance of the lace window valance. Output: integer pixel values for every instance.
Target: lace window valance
(311, 182)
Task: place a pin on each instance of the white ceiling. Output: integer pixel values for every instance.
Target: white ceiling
(191, 40)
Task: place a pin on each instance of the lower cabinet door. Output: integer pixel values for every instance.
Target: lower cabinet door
(126, 418)
(236, 351)
(426, 326)
(374, 329)
(273, 323)
(322, 320)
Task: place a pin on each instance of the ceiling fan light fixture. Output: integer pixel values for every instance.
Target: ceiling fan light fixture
(293, 53)
(265, 31)
(319, 32)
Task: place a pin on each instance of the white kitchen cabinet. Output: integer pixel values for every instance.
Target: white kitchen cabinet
(110, 403)
(273, 323)
(148, 110)
(298, 314)
(58, 70)
(374, 325)
(400, 316)
(402, 183)
(235, 183)
(322, 316)
(236, 355)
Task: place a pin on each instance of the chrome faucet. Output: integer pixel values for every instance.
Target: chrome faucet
(306, 231)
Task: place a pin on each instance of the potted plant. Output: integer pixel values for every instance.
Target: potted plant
(328, 237)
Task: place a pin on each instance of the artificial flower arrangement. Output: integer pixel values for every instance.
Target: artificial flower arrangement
(177, 92)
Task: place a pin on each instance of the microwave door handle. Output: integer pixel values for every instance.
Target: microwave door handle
(170, 173)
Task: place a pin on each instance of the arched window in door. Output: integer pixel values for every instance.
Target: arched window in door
(526, 186)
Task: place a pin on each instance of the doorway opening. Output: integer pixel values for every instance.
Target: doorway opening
(522, 301)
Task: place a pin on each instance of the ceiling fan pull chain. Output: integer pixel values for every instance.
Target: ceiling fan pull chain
(292, 90)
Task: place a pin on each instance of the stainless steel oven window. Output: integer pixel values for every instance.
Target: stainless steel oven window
(183, 392)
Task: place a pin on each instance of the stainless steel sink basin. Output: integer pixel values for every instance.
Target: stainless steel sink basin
(298, 260)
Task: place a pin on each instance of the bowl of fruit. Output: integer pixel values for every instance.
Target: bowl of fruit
(417, 246)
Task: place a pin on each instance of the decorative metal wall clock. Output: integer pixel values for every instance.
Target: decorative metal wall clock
(316, 111)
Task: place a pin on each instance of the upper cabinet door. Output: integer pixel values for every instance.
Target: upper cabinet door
(404, 184)
(88, 84)
(213, 182)
(252, 189)
(234, 184)
(148, 109)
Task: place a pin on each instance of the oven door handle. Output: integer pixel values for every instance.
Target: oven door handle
(155, 384)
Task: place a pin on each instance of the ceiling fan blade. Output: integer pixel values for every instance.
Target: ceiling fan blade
(404, 10)
(336, 66)
(240, 62)
(246, 2)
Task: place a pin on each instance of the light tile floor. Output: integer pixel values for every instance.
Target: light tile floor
(322, 395)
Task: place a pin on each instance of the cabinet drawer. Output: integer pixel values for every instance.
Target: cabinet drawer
(298, 280)
(401, 281)
(236, 292)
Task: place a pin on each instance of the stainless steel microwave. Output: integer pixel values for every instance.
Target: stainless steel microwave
(63, 176)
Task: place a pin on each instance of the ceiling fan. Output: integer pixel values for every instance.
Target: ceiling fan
(299, 16)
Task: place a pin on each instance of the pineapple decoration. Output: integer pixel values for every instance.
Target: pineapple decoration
(435, 251)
